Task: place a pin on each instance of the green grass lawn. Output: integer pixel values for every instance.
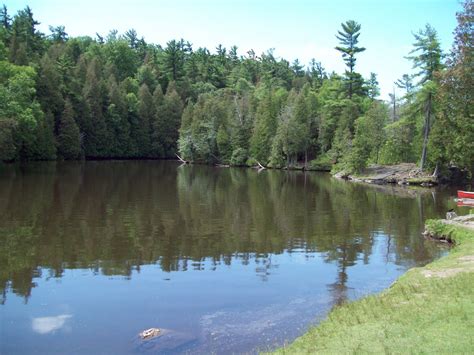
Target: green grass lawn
(428, 310)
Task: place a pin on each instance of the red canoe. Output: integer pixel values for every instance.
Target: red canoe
(465, 202)
(465, 194)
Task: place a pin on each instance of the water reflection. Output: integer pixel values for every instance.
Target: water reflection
(223, 260)
(46, 325)
(114, 217)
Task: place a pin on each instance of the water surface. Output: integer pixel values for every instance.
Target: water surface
(223, 260)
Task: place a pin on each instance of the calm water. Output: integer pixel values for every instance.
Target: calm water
(224, 260)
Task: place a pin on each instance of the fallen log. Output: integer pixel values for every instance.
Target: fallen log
(182, 160)
(260, 165)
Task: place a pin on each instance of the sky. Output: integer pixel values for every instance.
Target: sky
(301, 29)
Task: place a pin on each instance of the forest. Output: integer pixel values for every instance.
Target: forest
(119, 97)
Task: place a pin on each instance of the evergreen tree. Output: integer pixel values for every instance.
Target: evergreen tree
(349, 38)
(373, 86)
(118, 126)
(69, 141)
(157, 124)
(405, 83)
(94, 129)
(369, 137)
(237, 109)
(452, 140)
(174, 59)
(171, 112)
(265, 126)
(26, 41)
(7, 139)
(428, 61)
(45, 144)
(58, 34)
(5, 19)
(146, 113)
(5, 31)
(48, 89)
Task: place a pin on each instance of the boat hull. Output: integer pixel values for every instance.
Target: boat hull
(465, 202)
(465, 194)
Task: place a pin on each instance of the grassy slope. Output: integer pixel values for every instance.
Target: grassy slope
(428, 310)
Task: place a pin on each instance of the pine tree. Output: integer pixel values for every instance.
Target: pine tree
(373, 86)
(428, 61)
(349, 38)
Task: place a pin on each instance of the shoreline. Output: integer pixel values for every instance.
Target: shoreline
(428, 309)
(399, 174)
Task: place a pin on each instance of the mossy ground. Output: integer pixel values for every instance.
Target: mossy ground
(428, 310)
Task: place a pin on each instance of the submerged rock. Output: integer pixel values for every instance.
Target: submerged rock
(150, 333)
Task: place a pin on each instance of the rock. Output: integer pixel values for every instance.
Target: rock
(150, 333)
(451, 215)
(341, 175)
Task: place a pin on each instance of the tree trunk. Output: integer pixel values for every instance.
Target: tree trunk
(427, 131)
(394, 106)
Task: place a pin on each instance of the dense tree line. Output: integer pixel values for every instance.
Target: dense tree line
(120, 97)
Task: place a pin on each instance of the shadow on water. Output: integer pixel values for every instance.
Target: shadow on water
(113, 218)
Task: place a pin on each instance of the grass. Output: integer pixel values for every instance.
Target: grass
(428, 310)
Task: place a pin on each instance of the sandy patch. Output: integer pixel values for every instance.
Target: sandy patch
(443, 273)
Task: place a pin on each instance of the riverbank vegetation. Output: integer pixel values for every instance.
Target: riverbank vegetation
(428, 310)
(117, 96)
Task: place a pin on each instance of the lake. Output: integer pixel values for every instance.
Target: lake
(223, 260)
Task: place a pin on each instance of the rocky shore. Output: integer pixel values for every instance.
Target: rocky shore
(401, 174)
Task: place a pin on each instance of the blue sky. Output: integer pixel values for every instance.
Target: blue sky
(300, 29)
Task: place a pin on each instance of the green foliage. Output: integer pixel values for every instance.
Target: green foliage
(95, 130)
(239, 157)
(7, 139)
(428, 60)
(426, 54)
(372, 86)
(222, 107)
(69, 140)
(452, 138)
(146, 113)
(321, 163)
(369, 137)
(26, 43)
(171, 112)
(20, 113)
(398, 145)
